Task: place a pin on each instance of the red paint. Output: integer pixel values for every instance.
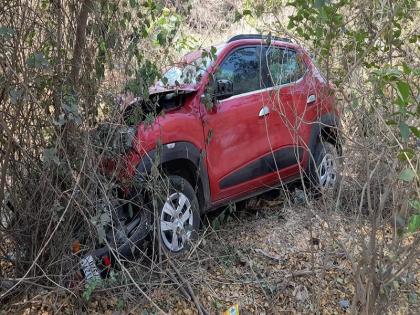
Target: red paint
(107, 261)
(239, 136)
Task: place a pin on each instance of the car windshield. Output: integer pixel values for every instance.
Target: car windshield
(188, 73)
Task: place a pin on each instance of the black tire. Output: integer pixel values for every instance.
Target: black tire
(184, 227)
(128, 231)
(325, 169)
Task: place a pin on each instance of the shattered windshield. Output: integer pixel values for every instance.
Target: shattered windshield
(186, 73)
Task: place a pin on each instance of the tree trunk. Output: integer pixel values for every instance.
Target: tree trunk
(79, 43)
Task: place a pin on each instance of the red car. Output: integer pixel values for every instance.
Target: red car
(252, 114)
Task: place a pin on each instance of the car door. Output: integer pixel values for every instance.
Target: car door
(286, 99)
(236, 132)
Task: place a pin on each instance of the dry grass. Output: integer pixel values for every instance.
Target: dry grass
(275, 257)
(269, 258)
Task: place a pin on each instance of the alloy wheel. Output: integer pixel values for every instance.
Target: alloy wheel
(327, 171)
(176, 222)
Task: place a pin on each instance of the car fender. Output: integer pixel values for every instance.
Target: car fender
(325, 121)
(176, 151)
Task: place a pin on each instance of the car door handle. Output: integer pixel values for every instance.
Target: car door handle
(264, 111)
(311, 99)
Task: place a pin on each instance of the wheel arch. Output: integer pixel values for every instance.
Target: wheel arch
(326, 129)
(183, 159)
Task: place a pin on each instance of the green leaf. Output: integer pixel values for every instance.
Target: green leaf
(161, 38)
(213, 51)
(61, 120)
(162, 21)
(403, 90)
(407, 175)
(406, 68)
(130, 210)
(133, 3)
(404, 130)
(415, 204)
(412, 298)
(319, 3)
(37, 60)
(414, 223)
(389, 74)
(16, 95)
(246, 12)
(238, 16)
(6, 32)
(413, 39)
(50, 155)
(99, 69)
(415, 131)
(406, 154)
(216, 224)
(400, 221)
(323, 15)
(360, 36)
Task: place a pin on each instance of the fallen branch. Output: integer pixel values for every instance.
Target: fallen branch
(187, 289)
(272, 257)
(181, 288)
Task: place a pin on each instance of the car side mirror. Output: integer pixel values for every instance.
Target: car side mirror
(223, 89)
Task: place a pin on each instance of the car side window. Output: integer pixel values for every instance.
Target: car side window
(242, 67)
(283, 66)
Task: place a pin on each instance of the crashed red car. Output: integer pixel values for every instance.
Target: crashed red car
(255, 115)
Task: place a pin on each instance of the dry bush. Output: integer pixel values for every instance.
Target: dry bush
(52, 191)
(378, 150)
(53, 93)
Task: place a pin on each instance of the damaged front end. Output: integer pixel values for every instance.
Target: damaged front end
(123, 218)
(122, 225)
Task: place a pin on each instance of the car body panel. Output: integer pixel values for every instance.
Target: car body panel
(233, 127)
(181, 124)
(239, 147)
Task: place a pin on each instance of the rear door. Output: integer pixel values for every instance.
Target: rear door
(285, 74)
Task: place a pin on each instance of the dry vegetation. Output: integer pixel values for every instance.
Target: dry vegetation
(61, 65)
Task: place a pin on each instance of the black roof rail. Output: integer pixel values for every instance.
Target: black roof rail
(258, 36)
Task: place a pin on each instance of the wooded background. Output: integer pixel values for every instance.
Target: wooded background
(62, 64)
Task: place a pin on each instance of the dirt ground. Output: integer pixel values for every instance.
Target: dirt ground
(269, 258)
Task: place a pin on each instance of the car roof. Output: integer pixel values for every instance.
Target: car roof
(259, 36)
(242, 40)
(263, 42)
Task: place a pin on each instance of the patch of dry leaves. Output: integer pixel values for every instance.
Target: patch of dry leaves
(270, 259)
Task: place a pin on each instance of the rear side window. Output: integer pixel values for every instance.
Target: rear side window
(242, 67)
(283, 66)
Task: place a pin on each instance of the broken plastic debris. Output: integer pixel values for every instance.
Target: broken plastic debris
(233, 310)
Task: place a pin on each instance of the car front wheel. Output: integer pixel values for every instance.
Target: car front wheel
(179, 217)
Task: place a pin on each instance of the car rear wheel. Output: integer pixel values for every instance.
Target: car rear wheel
(325, 176)
(179, 217)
